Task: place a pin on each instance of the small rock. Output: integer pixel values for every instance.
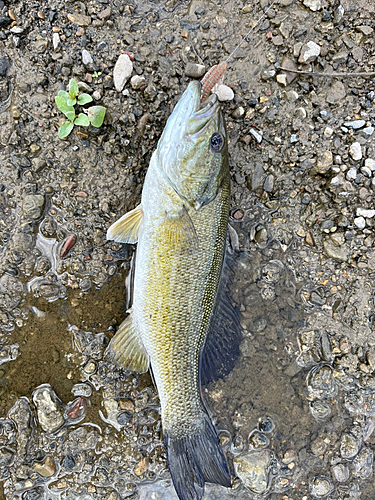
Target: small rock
(360, 222)
(256, 135)
(55, 41)
(370, 163)
(269, 183)
(341, 472)
(238, 112)
(356, 124)
(86, 57)
(49, 408)
(349, 446)
(328, 132)
(79, 19)
(368, 214)
(224, 93)
(194, 70)
(137, 82)
(309, 239)
(323, 164)
(46, 468)
(309, 52)
(32, 205)
(340, 57)
(281, 78)
(336, 93)
(351, 174)
(122, 72)
(355, 151)
(366, 30)
(320, 487)
(318, 446)
(313, 5)
(340, 253)
(368, 130)
(105, 14)
(96, 95)
(367, 171)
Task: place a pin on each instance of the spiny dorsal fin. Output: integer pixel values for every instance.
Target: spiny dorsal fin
(125, 348)
(126, 229)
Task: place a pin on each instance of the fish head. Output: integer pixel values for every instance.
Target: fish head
(192, 152)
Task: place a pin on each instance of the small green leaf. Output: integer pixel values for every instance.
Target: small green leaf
(70, 115)
(65, 129)
(82, 120)
(62, 104)
(73, 88)
(96, 115)
(84, 99)
(71, 102)
(62, 93)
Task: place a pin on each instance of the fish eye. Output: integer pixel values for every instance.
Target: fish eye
(216, 142)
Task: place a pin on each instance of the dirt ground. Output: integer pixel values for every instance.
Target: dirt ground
(296, 414)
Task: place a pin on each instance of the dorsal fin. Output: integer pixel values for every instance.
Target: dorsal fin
(125, 348)
(126, 229)
(221, 349)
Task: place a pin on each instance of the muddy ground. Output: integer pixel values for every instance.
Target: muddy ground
(302, 157)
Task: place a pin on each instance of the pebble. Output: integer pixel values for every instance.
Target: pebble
(370, 164)
(313, 5)
(318, 446)
(355, 151)
(55, 41)
(340, 254)
(368, 130)
(238, 112)
(105, 14)
(320, 486)
(49, 408)
(32, 205)
(363, 463)
(137, 82)
(349, 446)
(252, 468)
(256, 135)
(351, 174)
(309, 52)
(86, 57)
(122, 72)
(47, 468)
(356, 124)
(341, 472)
(360, 222)
(363, 212)
(224, 93)
(79, 19)
(194, 70)
(82, 390)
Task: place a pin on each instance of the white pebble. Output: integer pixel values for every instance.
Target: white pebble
(328, 131)
(368, 130)
(256, 135)
(137, 81)
(355, 151)
(363, 212)
(335, 181)
(313, 5)
(367, 171)
(86, 57)
(55, 41)
(370, 163)
(360, 222)
(356, 124)
(122, 72)
(352, 174)
(309, 52)
(224, 93)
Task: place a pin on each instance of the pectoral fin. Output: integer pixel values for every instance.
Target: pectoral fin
(125, 348)
(180, 232)
(126, 229)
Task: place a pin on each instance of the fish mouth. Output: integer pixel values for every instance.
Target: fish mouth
(203, 113)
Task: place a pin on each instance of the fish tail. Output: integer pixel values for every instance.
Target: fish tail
(195, 459)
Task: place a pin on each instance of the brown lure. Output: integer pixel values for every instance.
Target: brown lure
(211, 78)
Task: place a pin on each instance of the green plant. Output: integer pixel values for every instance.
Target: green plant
(66, 101)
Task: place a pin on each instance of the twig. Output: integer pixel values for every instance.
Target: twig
(328, 75)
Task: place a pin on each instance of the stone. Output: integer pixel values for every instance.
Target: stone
(33, 205)
(366, 30)
(355, 151)
(313, 5)
(79, 19)
(55, 41)
(224, 93)
(309, 52)
(349, 446)
(340, 57)
(258, 137)
(49, 408)
(323, 163)
(362, 212)
(360, 222)
(336, 93)
(194, 70)
(47, 468)
(356, 124)
(137, 82)
(351, 175)
(339, 253)
(320, 486)
(341, 472)
(4, 65)
(238, 112)
(368, 130)
(253, 470)
(122, 72)
(370, 163)
(105, 14)
(86, 57)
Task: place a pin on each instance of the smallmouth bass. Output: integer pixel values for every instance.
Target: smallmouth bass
(181, 229)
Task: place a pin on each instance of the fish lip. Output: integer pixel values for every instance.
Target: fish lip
(203, 113)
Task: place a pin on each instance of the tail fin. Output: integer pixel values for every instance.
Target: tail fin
(194, 460)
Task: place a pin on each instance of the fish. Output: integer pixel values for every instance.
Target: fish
(179, 298)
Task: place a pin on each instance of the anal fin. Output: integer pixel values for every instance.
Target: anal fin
(221, 349)
(126, 229)
(125, 348)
